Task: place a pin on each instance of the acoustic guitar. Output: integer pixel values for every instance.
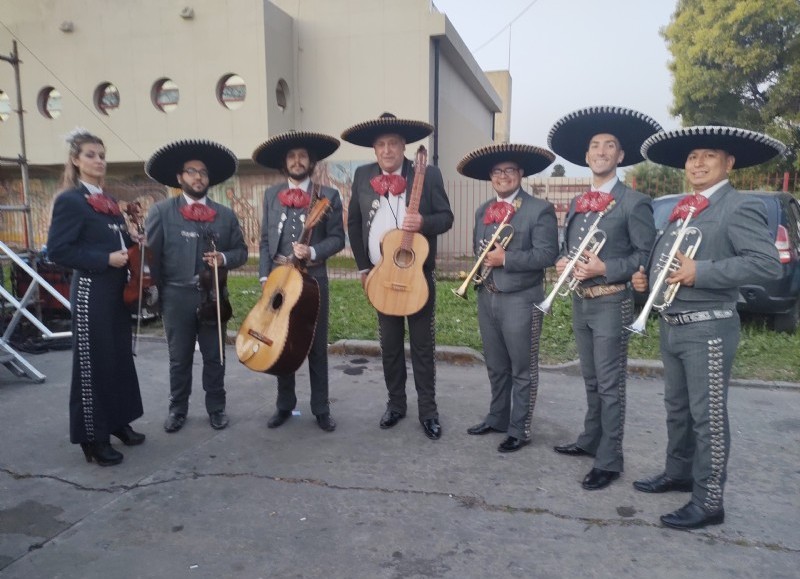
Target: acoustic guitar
(276, 335)
(396, 286)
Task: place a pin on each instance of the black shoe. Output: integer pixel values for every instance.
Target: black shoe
(278, 418)
(511, 444)
(692, 516)
(432, 428)
(390, 418)
(326, 422)
(101, 452)
(572, 450)
(599, 479)
(661, 483)
(129, 436)
(482, 428)
(218, 419)
(174, 422)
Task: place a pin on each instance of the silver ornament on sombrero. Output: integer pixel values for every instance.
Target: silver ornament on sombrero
(272, 152)
(570, 135)
(671, 148)
(531, 159)
(364, 134)
(165, 164)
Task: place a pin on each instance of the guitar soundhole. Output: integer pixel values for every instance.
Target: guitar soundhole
(277, 301)
(404, 257)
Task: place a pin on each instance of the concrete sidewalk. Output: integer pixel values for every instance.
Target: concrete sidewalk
(364, 502)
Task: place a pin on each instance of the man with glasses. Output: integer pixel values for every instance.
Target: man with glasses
(510, 325)
(186, 235)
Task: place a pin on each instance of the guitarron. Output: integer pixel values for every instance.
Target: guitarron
(276, 335)
(396, 286)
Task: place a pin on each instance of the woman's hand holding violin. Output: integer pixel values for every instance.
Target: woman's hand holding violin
(118, 258)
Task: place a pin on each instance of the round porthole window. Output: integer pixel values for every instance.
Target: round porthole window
(5, 106)
(49, 102)
(231, 91)
(282, 94)
(165, 95)
(106, 98)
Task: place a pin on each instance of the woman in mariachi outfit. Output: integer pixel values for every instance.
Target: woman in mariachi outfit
(88, 234)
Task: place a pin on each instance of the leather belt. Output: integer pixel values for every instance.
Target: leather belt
(595, 291)
(692, 317)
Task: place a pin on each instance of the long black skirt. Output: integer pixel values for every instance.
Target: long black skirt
(104, 395)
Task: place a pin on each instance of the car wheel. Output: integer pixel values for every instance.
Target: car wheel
(788, 321)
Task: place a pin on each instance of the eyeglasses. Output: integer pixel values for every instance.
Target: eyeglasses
(508, 172)
(192, 172)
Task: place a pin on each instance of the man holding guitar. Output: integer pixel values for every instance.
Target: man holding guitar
(379, 203)
(286, 208)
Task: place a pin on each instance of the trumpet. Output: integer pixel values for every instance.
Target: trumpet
(687, 241)
(480, 270)
(593, 242)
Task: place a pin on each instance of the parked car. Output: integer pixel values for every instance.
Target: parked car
(779, 299)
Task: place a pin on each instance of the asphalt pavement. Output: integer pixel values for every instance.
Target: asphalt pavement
(295, 501)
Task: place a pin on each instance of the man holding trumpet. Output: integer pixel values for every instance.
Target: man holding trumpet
(699, 327)
(604, 138)
(512, 271)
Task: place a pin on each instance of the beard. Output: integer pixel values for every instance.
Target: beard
(192, 193)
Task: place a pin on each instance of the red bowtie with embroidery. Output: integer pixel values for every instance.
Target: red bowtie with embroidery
(498, 211)
(593, 201)
(681, 210)
(294, 198)
(383, 184)
(102, 203)
(198, 212)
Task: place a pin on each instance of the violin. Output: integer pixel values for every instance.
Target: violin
(140, 288)
(214, 308)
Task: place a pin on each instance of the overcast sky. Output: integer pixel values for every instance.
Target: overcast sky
(568, 54)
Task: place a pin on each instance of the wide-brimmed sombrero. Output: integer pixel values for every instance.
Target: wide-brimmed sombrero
(164, 165)
(570, 135)
(272, 152)
(671, 148)
(364, 134)
(479, 162)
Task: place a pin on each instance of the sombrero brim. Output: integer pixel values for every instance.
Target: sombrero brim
(671, 148)
(165, 164)
(479, 162)
(364, 134)
(570, 135)
(272, 152)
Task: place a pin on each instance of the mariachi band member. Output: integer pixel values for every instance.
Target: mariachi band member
(604, 138)
(180, 231)
(286, 205)
(699, 330)
(512, 283)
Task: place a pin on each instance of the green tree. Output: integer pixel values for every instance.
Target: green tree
(655, 180)
(737, 62)
(558, 170)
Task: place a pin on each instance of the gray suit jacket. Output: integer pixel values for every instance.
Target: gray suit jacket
(630, 234)
(533, 247)
(177, 244)
(736, 249)
(327, 237)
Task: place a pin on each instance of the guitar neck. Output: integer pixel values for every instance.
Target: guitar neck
(420, 165)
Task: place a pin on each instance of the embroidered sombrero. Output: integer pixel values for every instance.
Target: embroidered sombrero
(272, 152)
(570, 135)
(364, 134)
(167, 162)
(479, 162)
(671, 148)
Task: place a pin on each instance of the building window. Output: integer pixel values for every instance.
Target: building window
(282, 94)
(231, 91)
(49, 102)
(165, 95)
(106, 98)
(5, 106)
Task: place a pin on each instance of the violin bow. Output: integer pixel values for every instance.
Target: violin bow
(134, 212)
(216, 294)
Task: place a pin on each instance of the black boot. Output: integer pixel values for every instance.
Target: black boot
(129, 436)
(101, 452)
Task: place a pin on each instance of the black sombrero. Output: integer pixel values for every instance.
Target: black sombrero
(164, 165)
(364, 134)
(570, 135)
(272, 152)
(671, 148)
(479, 162)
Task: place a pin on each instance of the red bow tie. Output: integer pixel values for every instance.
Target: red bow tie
(383, 184)
(498, 211)
(102, 203)
(681, 210)
(294, 198)
(198, 212)
(593, 201)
